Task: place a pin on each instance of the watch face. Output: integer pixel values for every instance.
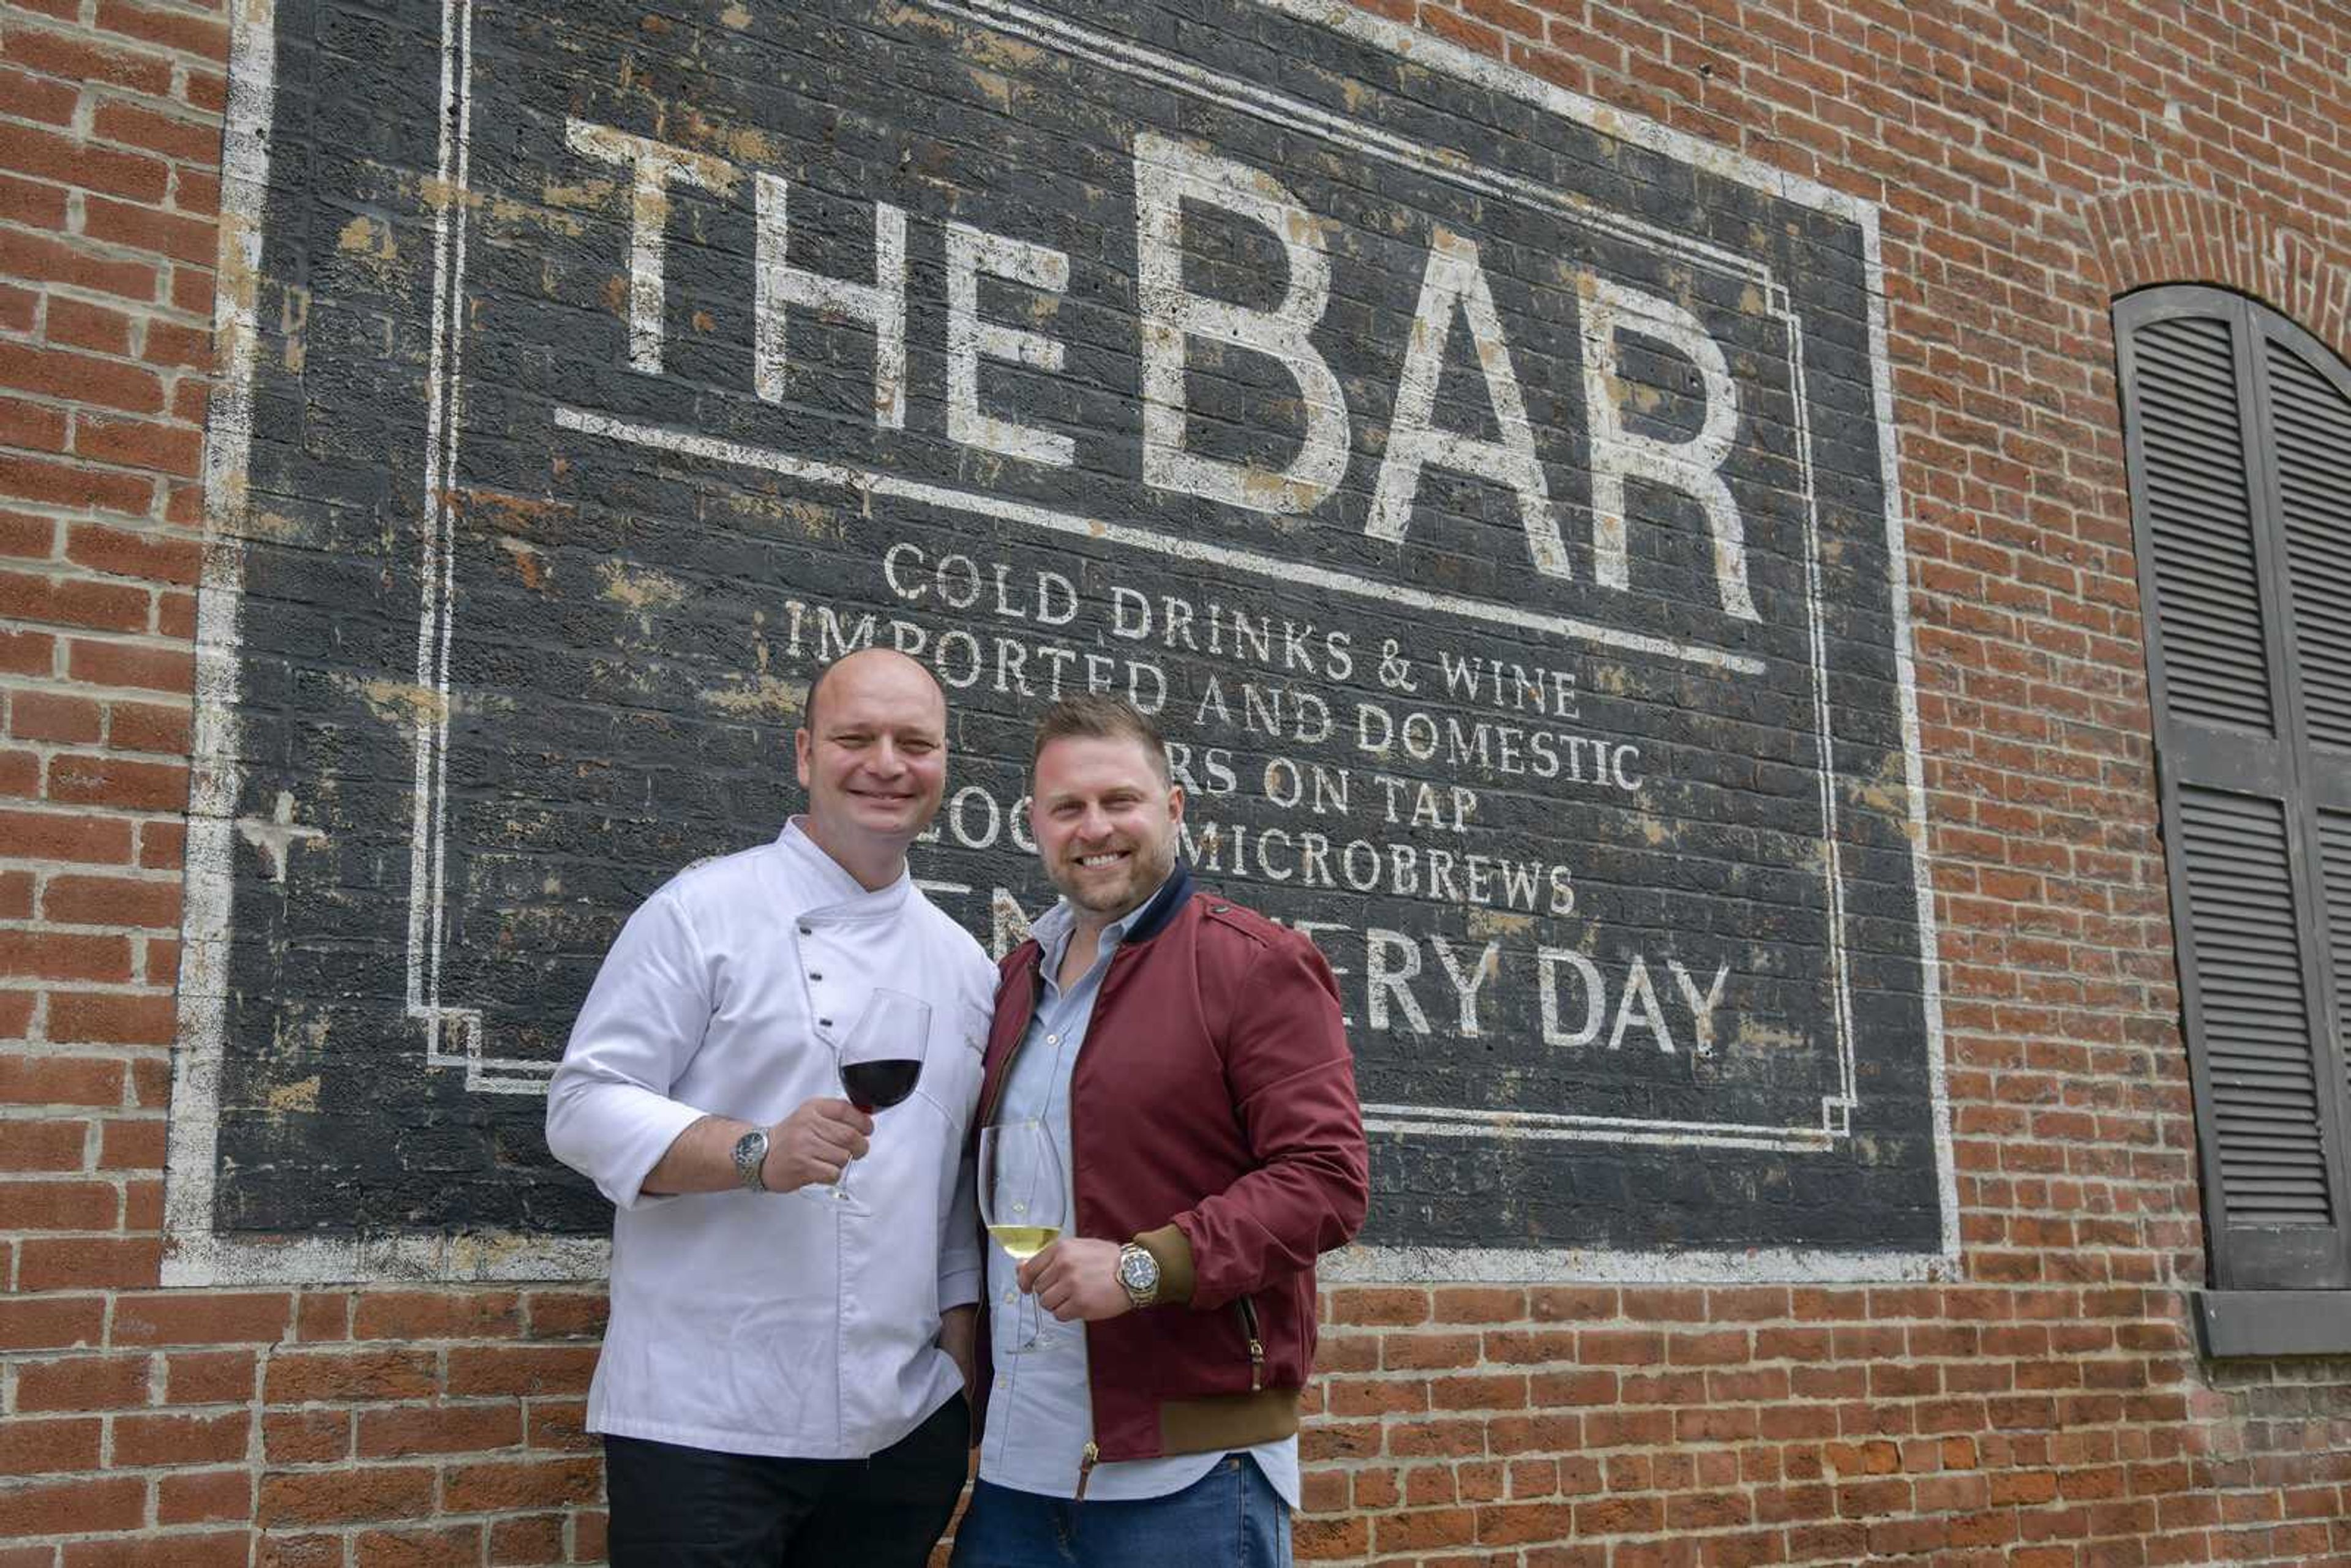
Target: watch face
(1140, 1269)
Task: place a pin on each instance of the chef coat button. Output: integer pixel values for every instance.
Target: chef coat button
(814, 976)
(824, 1023)
(808, 930)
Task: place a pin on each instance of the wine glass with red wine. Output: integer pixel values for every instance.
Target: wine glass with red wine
(882, 1060)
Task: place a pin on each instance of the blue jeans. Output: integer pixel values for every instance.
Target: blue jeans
(1229, 1518)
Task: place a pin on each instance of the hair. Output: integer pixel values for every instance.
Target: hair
(1097, 717)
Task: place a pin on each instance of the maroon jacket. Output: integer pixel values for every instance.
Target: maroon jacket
(1212, 1115)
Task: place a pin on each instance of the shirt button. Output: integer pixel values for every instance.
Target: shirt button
(1052, 1040)
(824, 1023)
(808, 930)
(1011, 1298)
(814, 976)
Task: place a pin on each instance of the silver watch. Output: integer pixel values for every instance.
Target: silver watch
(750, 1155)
(1138, 1273)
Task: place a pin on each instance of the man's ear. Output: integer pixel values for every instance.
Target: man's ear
(801, 744)
(1176, 802)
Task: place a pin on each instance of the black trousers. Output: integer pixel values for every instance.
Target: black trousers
(675, 1507)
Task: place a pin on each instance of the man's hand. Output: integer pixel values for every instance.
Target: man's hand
(1076, 1280)
(814, 1144)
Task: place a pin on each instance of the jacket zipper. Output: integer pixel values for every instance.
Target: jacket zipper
(1256, 1345)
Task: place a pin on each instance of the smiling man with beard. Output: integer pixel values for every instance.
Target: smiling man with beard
(1188, 1058)
(779, 1382)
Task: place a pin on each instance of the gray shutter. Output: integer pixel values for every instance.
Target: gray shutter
(2236, 639)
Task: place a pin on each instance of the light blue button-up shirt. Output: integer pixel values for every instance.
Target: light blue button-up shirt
(1039, 1414)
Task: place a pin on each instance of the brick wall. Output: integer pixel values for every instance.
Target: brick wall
(2045, 1408)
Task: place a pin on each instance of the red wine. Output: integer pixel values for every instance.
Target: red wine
(878, 1085)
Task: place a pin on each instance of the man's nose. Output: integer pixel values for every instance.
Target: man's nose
(885, 759)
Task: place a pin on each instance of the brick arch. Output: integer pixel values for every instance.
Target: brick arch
(2149, 234)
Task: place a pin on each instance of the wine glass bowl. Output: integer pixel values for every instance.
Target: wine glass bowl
(1023, 1200)
(881, 1061)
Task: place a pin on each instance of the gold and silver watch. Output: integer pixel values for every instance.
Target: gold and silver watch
(1138, 1274)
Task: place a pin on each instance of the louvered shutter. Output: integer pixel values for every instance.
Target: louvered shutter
(2239, 433)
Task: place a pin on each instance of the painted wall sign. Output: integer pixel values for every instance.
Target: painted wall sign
(1492, 495)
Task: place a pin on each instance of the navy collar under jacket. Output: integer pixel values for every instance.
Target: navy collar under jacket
(1165, 905)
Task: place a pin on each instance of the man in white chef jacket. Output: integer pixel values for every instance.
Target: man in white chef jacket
(782, 1378)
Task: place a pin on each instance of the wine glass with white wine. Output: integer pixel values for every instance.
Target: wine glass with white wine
(1023, 1200)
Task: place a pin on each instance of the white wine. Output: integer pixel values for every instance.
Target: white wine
(1024, 1241)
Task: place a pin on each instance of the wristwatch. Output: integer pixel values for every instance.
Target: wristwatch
(750, 1154)
(1138, 1274)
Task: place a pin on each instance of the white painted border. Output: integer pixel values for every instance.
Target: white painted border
(197, 1255)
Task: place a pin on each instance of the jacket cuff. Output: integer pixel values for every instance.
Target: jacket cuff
(1172, 1251)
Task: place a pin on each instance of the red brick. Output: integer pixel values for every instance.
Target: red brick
(83, 1382)
(54, 716)
(41, 426)
(155, 557)
(74, 900)
(123, 664)
(70, 161)
(346, 1496)
(112, 1017)
(180, 1440)
(149, 727)
(168, 344)
(505, 1487)
(90, 1503)
(436, 1315)
(162, 845)
(140, 444)
(58, 1204)
(64, 955)
(204, 1497)
(531, 1539)
(133, 1144)
(79, 378)
(126, 785)
(25, 535)
(33, 1447)
(145, 228)
(51, 1321)
(209, 1376)
(90, 1264)
(30, 98)
(173, 29)
(26, 652)
(567, 1314)
(15, 1014)
(57, 1079)
(188, 1317)
(527, 1370)
(74, 602)
(38, 258)
(72, 484)
(15, 896)
(451, 1546)
(172, 1549)
(26, 1146)
(403, 1431)
(307, 1436)
(182, 141)
(301, 1376)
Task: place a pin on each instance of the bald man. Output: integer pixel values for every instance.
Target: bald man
(783, 1377)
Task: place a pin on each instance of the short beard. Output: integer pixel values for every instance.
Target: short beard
(1153, 863)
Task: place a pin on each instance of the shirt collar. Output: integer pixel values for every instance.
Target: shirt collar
(1054, 927)
(830, 886)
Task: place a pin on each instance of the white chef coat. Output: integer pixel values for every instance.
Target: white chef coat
(799, 1324)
